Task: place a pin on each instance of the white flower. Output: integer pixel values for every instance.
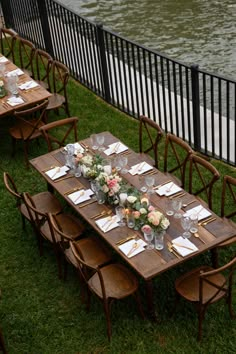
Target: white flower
(165, 223)
(143, 211)
(131, 199)
(1, 83)
(144, 200)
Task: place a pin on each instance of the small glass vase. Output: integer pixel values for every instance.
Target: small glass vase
(158, 236)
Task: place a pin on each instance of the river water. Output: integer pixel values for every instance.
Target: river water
(193, 31)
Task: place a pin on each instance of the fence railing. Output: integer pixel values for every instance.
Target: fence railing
(194, 104)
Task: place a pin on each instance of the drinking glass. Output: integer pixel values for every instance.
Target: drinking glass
(159, 239)
(12, 84)
(123, 161)
(194, 223)
(78, 171)
(116, 163)
(123, 198)
(107, 168)
(148, 236)
(130, 221)
(176, 206)
(93, 139)
(100, 141)
(169, 207)
(186, 224)
(70, 150)
(142, 185)
(120, 212)
(94, 185)
(149, 181)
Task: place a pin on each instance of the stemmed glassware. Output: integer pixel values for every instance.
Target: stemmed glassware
(149, 181)
(186, 224)
(100, 141)
(120, 212)
(148, 236)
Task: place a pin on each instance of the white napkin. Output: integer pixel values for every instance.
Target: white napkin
(80, 196)
(163, 190)
(57, 172)
(115, 148)
(127, 247)
(17, 71)
(108, 223)
(180, 241)
(78, 148)
(140, 168)
(201, 212)
(14, 101)
(3, 60)
(28, 85)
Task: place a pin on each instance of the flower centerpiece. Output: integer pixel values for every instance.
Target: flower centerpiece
(110, 184)
(91, 165)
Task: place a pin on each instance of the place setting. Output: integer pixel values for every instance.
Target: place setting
(140, 168)
(116, 148)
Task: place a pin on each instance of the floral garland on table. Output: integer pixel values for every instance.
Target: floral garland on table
(91, 165)
(110, 185)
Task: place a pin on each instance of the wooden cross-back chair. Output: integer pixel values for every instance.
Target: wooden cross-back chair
(153, 133)
(59, 76)
(228, 210)
(202, 177)
(109, 282)
(58, 131)
(93, 250)
(42, 67)
(179, 151)
(8, 39)
(27, 126)
(26, 54)
(46, 201)
(204, 286)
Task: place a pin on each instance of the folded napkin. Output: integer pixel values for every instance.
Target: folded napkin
(80, 196)
(180, 241)
(14, 101)
(28, 85)
(201, 212)
(108, 223)
(78, 148)
(140, 168)
(3, 60)
(115, 148)
(129, 248)
(168, 189)
(57, 172)
(17, 71)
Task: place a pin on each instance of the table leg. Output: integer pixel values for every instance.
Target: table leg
(150, 303)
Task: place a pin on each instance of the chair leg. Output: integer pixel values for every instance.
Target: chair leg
(139, 304)
(107, 308)
(214, 258)
(201, 314)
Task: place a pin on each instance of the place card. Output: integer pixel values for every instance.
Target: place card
(140, 168)
(168, 189)
(115, 148)
(201, 212)
(183, 246)
(108, 223)
(132, 247)
(57, 172)
(80, 196)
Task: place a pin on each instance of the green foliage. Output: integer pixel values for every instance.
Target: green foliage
(40, 314)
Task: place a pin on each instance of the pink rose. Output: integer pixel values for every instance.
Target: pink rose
(136, 214)
(151, 208)
(146, 229)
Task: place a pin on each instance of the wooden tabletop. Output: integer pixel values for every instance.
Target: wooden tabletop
(147, 264)
(30, 97)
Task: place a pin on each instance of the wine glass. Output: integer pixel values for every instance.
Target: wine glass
(186, 224)
(176, 206)
(149, 181)
(120, 212)
(148, 236)
(100, 141)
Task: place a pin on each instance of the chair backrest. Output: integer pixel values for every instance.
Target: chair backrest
(11, 187)
(202, 177)
(149, 130)
(60, 76)
(42, 66)
(26, 53)
(228, 197)
(37, 217)
(220, 279)
(8, 39)
(57, 132)
(32, 118)
(56, 229)
(179, 152)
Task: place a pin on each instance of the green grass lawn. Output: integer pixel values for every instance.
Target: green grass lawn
(40, 314)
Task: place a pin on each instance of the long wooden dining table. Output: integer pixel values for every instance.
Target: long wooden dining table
(150, 263)
(30, 96)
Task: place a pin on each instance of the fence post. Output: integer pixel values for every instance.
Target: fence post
(7, 13)
(45, 26)
(103, 61)
(196, 107)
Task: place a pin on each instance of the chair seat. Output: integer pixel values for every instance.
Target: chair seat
(119, 282)
(24, 129)
(55, 101)
(188, 285)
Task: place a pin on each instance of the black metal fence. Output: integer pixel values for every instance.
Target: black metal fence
(194, 104)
